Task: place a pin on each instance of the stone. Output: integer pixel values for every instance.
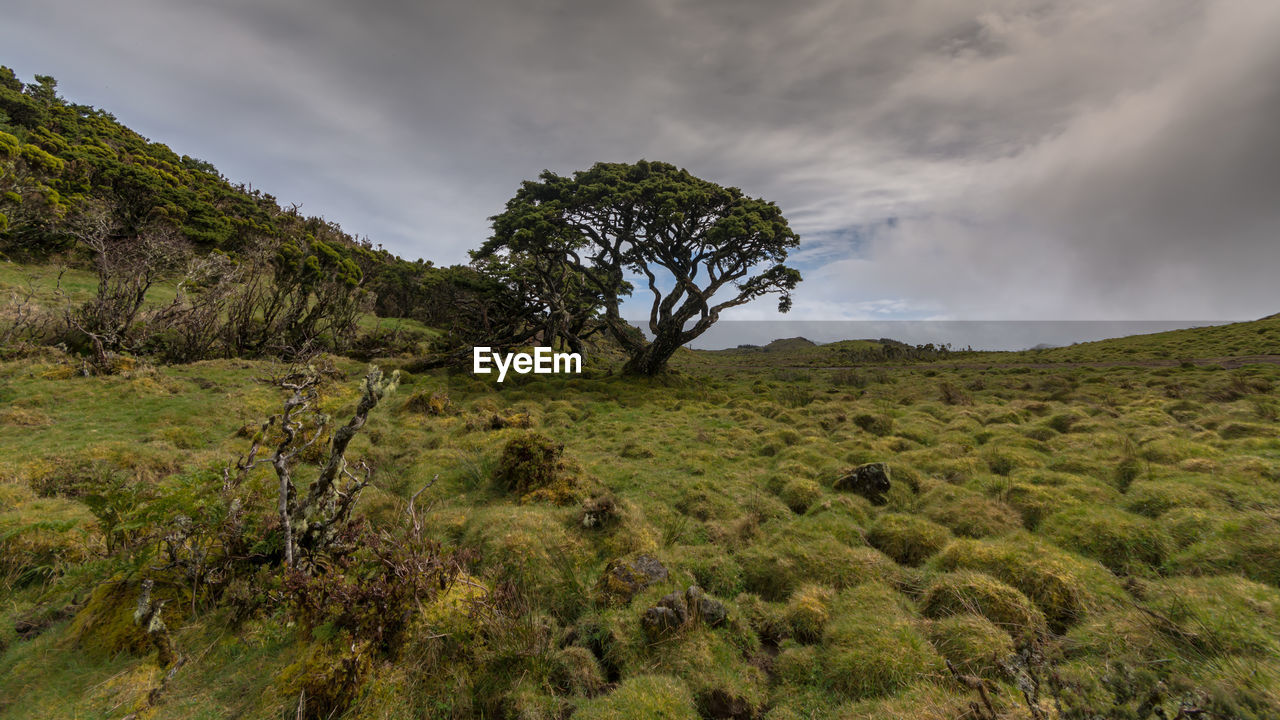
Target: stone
(659, 622)
(705, 608)
(622, 579)
(871, 481)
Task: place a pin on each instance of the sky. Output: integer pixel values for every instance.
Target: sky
(944, 160)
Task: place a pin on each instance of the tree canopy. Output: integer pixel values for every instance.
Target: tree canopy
(698, 247)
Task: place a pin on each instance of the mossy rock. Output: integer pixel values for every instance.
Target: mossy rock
(908, 539)
(808, 611)
(970, 592)
(972, 643)
(328, 674)
(1065, 587)
(1125, 543)
(643, 697)
(871, 648)
(105, 627)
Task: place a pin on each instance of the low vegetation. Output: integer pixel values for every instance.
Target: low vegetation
(1012, 544)
(340, 527)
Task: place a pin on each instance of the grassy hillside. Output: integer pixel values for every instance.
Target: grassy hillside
(1110, 533)
(1260, 337)
(1235, 340)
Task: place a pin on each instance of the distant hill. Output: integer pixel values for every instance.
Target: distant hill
(1235, 340)
(1256, 337)
(789, 344)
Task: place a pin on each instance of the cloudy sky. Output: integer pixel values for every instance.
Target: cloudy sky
(966, 159)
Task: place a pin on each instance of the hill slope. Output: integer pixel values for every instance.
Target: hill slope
(1122, 521)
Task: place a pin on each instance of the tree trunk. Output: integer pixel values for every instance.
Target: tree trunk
(653, 359)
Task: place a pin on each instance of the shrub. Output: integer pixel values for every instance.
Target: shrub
(329, 675)
(871, 648)
(952, 395)
(792, 396)
(532, 465)
(970, 592)
(1121, 541)
(908, 539)
(430, 402)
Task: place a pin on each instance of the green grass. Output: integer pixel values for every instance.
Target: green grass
(1117, 515)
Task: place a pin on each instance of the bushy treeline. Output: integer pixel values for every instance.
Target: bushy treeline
(252, 277)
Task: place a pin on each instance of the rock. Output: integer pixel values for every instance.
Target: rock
(599, 511)
(871, 481)
(679, 609)
(676, 603)
(622, 580)
(659, 622)
(705, 608)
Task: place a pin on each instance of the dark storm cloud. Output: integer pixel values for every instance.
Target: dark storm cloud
(977, 158)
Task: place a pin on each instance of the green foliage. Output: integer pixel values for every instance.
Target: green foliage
(532, 466)
(618, 217)
(523, 631)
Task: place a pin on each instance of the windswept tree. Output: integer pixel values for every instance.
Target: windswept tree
(698, 247)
